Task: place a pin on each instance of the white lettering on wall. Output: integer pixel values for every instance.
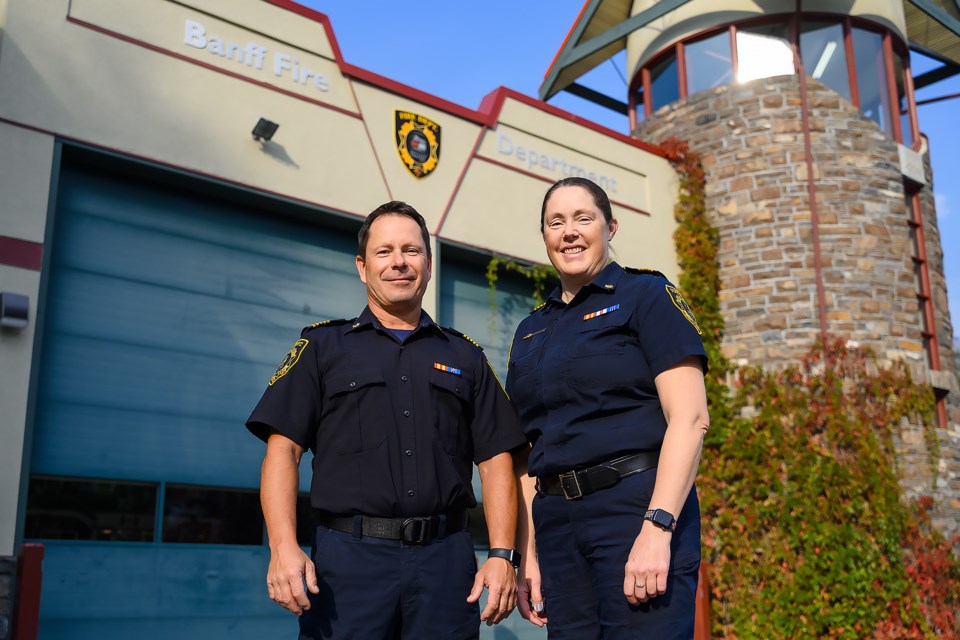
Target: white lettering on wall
(533, 158)
(252, 55)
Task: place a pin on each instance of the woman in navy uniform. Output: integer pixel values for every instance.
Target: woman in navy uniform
(607, 378)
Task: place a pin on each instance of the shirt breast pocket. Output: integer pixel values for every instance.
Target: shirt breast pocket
(450, 405)
(605, 335)
(359, 403)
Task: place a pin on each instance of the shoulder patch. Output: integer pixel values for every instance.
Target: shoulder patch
(462, 335)
(644, 272)
(289, 360)
(538, 307)
(682, 305)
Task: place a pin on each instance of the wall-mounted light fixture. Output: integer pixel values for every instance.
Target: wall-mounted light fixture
(14, 310)
(264, 129)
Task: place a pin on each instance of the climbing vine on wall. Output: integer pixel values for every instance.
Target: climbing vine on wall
(540, 277)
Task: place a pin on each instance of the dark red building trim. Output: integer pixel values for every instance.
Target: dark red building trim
(24, 254)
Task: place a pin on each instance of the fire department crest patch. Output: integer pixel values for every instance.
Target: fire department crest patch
(291, 359)
(418, 143)
(684, 308)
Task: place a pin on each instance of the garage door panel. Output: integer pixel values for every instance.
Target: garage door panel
(167, 313)
(221, 268)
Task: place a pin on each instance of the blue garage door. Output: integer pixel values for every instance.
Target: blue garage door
(169, 307)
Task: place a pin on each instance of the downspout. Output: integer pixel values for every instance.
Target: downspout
(811, 184)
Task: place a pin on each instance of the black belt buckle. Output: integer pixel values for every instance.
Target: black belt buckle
(416, 530)
(570, 484)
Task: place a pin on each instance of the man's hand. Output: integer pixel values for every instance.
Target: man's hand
(289, 567)
(500, 579)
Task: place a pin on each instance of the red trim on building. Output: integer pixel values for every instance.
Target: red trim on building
(407, 91)
(492, 105)
(25, 254)
(893, 104)
(851, 63)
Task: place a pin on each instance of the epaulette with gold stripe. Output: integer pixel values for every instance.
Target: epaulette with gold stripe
(538, 307)
(644, 272)
(453, 331)
(326, 323)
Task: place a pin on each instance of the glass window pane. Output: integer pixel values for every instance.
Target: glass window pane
(763, 51)
(212, 516)
(872, 77)
(824, 56)
(638, 104)
(708, 63)
(664, 82)
(906, 132)
(80, 509)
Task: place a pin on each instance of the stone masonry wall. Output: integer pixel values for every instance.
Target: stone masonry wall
(750, 140)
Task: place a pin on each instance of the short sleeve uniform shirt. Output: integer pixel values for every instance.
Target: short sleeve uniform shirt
(395, 426)
(581, 375)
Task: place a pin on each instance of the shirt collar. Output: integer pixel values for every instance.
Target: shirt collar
(367, 319)
(606, 280)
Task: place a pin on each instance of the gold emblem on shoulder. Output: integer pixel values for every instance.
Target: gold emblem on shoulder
(290, 359)
(682, 305)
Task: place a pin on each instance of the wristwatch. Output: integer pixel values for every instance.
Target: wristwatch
(510, 555)
(661, 518)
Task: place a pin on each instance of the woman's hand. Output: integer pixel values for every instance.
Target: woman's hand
(645, 574)
(529, 599)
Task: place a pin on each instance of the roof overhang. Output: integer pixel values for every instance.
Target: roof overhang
(601, 30)
(933, 28)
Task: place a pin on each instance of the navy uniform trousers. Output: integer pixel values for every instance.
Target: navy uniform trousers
(582, 547)
(376, 589)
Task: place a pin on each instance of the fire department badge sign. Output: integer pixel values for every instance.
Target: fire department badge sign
(418, 143)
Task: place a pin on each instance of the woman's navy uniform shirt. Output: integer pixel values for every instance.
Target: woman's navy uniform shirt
(581, 375)
(395, 427)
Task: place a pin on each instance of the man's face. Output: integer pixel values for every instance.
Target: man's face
(396, 268)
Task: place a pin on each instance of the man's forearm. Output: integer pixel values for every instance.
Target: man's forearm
(499, 487)
(279, 483)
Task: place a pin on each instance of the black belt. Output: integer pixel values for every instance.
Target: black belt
(582, 482)
(409, 530)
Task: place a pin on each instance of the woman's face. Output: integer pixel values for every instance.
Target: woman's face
(576, 236)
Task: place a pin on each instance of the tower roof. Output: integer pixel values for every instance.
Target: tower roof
(601, 30)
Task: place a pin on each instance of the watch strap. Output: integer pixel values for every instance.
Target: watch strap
(510, 555)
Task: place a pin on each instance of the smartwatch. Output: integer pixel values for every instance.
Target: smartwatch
(510, 555)
(661, 518)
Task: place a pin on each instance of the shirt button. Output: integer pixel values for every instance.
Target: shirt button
(410, 493)
(408, 452)
(353, 384)
(404, 378)
(406, 413)
(402, 347)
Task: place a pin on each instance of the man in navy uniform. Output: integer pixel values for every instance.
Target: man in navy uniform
(396, 411)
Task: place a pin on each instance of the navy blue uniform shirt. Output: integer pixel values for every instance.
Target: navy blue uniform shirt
(581, 375)
(395, 426)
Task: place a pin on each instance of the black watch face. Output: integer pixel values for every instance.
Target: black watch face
(662, 519)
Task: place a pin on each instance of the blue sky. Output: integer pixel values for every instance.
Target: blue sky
(462, 51)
